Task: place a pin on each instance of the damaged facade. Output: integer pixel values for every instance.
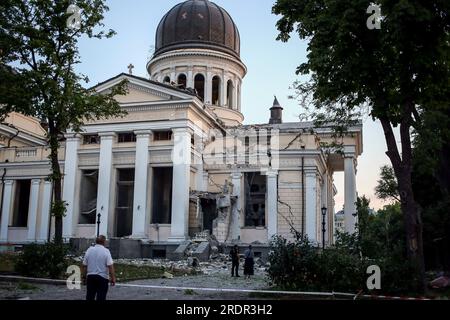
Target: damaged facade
(180, 164)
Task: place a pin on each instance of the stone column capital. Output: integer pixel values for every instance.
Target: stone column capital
(107, 135)
(236, 175)
(143, 133)
(8, 182)
(182, 131)
(72, 137)
(36, 181)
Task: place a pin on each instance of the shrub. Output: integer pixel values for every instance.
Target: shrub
(299, 265)
(46, 260)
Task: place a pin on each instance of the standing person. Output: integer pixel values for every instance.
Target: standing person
(98, 265)
(234, 253)
(249, 262)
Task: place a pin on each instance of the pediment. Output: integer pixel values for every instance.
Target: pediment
(143, 90)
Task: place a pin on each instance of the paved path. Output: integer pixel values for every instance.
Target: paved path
(59, 292)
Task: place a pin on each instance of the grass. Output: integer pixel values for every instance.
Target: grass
(26, 286)
(124, 272)
(127, 272)
(7, 262)
(189, 292)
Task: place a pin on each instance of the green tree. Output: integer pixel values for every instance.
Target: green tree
(399, 72)
(387, 186)
(39, 51)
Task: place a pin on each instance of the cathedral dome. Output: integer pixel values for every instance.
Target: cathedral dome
(197, 24)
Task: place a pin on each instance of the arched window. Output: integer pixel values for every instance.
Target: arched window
(215, 90)
(199, 85)
(230, 94)
(166, 79)
(182, 80)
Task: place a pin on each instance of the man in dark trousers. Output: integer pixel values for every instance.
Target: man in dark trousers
(234, 253)
(98, 265)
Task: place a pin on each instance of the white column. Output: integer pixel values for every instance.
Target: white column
(311, 205)
(181, 158)
(173, 75)
(350, 192)
(45, 212)
(104, 180)
(200, 175)
(7, 204)
(208, 89)
(32, 209)
(140, 184)
(223, 97)
(235, 99)
(272, 204)
(235, 223)
(190, 78)
(70, 177)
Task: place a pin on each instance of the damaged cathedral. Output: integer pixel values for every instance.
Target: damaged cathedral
(180, 166)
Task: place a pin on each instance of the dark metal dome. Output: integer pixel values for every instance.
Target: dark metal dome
(197, 24)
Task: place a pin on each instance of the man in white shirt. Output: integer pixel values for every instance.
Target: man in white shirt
(99, 267)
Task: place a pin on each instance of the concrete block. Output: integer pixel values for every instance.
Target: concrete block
(202, 251)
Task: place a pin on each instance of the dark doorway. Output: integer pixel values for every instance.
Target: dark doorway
(209, 210)
(162, 195)
(255, 199)
(21, 203)
(124, 208)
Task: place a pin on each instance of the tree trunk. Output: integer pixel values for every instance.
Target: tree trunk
(413, 226)
(410, 209)
(56, 180)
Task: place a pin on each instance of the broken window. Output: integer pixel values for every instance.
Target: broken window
(91, 139)
(255, 199)
(88, 197)
(21, 203)
(162, 135)
(126, 137)
(162, 195)
(124, 208)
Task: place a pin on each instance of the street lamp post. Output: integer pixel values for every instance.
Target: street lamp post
(324, 214)
(98, 224)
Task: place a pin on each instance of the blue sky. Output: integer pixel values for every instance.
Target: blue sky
(271, 68)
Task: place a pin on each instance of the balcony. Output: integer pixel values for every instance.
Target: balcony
(27, 154)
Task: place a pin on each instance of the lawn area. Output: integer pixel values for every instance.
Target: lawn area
(124, 272)
(7, 262)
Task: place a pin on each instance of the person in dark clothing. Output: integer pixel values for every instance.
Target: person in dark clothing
(249, 262)
(234, 253)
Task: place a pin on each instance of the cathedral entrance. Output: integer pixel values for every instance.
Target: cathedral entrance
(209, 209)
(124, 207)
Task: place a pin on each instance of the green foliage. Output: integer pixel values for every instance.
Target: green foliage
(59, 208)
(299, 265)
(399, 74)
(387, 186)
(43, 261)
(39, 53)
